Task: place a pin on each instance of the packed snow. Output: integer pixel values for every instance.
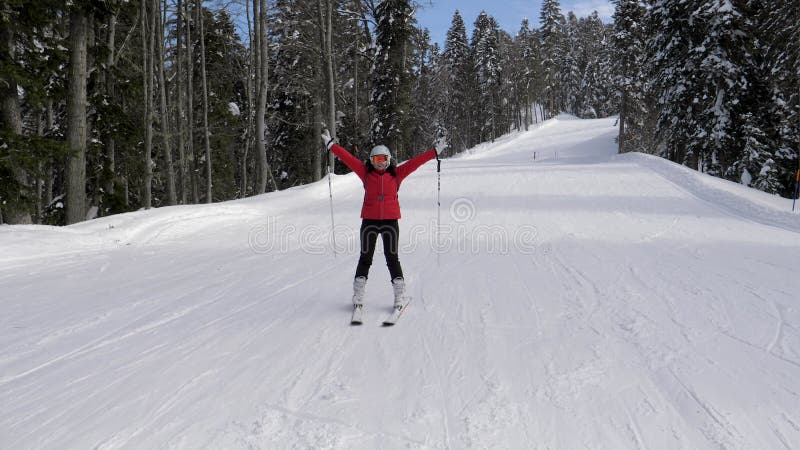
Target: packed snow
(581, 299)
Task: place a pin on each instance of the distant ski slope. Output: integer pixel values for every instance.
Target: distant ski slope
(581, 300)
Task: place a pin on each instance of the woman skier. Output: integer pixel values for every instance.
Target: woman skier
(379, 213)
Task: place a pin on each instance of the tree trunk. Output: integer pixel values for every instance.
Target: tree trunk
(209, 181)
(324, 10)
(356, 49)
(260, 18)
(108, 75)
(76, 119)
(11, 116)
(180, 116)
(258, 129)
(331, 77)
(190, 106)
(48, 181)
(527, 106)
(9, 108)
(39, 167)
(148, 36)
(165, 130)
(250, 101)
(316, 159)
(622, 113)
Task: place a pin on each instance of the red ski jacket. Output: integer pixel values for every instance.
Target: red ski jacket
(380, 187)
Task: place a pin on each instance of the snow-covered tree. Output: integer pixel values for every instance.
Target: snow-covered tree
(391, 86)
(675, 73)
(629, 57)
(756, 165)
(487, 59)
(778, 32)
(529, 71)
(30, 56)
(600, 100)
(554, 53)
(427, 97)
(507, 87)
(297, 90)
(574, 68)
(724, 56)
(459, 86)
(354, 59)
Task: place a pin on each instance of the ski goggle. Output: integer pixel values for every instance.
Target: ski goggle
(379, 159)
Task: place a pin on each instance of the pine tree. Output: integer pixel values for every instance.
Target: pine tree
(597, 45)
(702, 75)
(459, 85)
(487, 60)
(714, 83)
(427, 100)
(528, 73)
(534, 68)
(29, 58)
(391, 87)
(574, 68)
(354, 61)
(226, 67)
(674, 72)
(506, 86)
(298, 93)
(587, 73)
(756, 166)
(76, 116)
(778, 30)
(164, 116)
(514, 76)
(755, 161)
(723, 56)
(554, 52)
(629, 41)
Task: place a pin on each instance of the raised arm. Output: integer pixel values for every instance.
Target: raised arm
(349, 160)
(405, 169)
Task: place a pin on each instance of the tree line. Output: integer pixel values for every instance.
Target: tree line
(712, 84)
(116, 105)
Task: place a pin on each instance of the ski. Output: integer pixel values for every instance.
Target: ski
(397, 312)
(358, 312)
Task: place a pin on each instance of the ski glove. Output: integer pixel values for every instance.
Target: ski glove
(327, 140)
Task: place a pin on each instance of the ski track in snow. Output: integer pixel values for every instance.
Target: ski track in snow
(651, 307)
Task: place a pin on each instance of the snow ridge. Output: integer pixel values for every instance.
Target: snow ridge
(734, 198)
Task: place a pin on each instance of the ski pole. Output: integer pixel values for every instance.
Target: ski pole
(796, 188)
(438, 208)
(330, 191)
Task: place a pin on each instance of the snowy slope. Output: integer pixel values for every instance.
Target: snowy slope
(581, 300)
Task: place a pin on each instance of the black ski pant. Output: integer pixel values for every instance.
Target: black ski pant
(389, 231)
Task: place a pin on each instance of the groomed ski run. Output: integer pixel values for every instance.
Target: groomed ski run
(586, 300)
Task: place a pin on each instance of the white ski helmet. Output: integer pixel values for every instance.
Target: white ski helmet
(381, 150)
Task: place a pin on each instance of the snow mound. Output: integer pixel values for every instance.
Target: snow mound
(734, 198)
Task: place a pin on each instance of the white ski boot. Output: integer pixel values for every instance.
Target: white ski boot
(359, 285)
(400, 299)
(400, 302)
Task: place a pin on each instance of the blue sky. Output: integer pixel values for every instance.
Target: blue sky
(436, 15)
